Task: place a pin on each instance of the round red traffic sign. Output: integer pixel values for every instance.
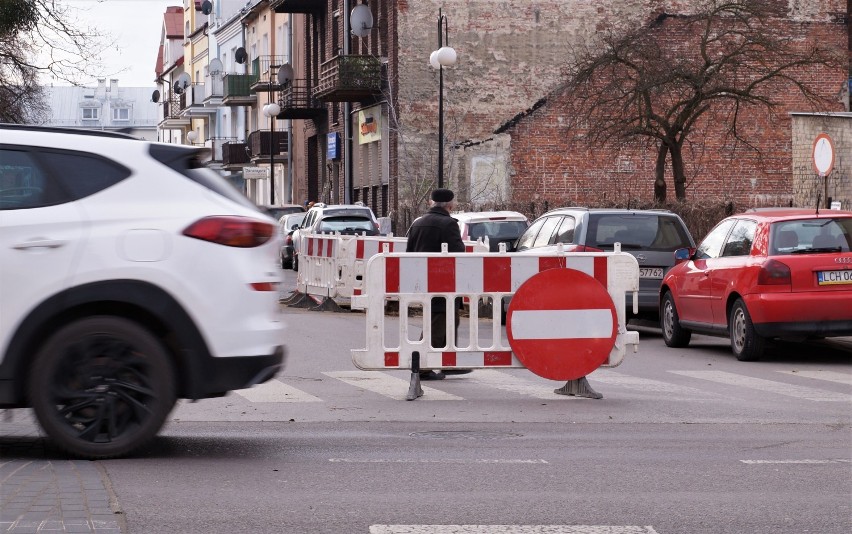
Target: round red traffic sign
(561, 324)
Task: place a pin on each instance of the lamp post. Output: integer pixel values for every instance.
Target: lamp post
(444, 56)
(271, 110)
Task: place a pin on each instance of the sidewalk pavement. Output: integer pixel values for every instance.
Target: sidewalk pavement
(40, 491)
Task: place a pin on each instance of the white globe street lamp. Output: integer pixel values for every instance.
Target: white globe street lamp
(444, 56)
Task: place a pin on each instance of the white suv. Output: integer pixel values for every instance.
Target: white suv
(130, 276)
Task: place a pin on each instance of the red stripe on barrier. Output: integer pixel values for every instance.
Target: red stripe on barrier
(468, 248)
(497, 274)
(391, 359)
(359, 249)
(329, 248)
(392, 275)
(356, 291)
(546, 263)
(442, 275)
(498, 358)
(310, 246)
(448, 359)
(600, 270)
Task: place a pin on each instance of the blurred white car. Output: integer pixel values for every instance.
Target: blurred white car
(497, 226)
(130, 276)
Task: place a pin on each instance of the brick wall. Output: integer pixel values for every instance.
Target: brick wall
(510, 57)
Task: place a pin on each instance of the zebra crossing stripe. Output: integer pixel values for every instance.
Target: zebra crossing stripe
(831, 376)
(275, 391)
(387, 385)
(769, 386)
(513, 384)
(509, 529)
(647, 385)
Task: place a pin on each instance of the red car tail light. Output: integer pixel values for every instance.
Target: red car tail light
(774, 273)
(231, 231)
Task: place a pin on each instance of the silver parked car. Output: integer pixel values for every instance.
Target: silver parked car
(652, 236)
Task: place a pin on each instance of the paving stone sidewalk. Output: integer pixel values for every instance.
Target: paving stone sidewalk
(42, 491)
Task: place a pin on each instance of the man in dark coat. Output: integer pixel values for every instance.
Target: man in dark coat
(426, 234)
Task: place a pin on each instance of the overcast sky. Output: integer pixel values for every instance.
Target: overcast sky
(135, 25)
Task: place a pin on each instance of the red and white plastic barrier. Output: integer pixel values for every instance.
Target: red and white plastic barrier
(333, 265)
(564, 322)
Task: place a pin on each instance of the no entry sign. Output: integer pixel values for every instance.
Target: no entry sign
(561, 324)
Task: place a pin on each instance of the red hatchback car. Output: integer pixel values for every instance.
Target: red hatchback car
(769, 273)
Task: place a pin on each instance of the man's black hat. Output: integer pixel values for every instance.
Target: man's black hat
(442, 195)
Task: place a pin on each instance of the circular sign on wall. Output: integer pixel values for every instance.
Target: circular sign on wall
(823, 154)
(561, 324)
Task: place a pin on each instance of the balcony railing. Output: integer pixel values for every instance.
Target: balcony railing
(259, 143)
(297, 6)
(234, 153)
(237, 87)
(265, 68)
(170, 108)
(193, 95)
(216, 144)
(215, 87)
(297, 101)
(349, 78)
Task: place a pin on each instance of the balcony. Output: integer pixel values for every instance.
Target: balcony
(265, 68)
(214, 89)
(192, 102)
(216, 146)
(259, 143)
(170, 116)
(297, 101)
(297, 6)
(350, 79)
(234, 153)
(237, 90)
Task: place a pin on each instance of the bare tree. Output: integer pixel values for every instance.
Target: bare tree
(730, 57)
(41, 39)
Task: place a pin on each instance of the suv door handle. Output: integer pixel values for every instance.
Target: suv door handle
(39, 243)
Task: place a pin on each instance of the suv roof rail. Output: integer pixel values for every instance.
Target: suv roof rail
(66, 130)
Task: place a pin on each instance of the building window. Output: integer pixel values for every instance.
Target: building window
(91, 114)
(121, 114)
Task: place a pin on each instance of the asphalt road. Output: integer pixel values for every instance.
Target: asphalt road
(684, 441)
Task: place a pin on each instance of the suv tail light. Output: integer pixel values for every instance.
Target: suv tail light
(774, 273)
(231, 231)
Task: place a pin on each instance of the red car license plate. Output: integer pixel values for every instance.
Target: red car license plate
(825, 278)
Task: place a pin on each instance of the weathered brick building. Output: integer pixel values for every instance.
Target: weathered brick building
(506, 137)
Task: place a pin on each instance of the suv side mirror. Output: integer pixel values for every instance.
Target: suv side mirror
(683, 254)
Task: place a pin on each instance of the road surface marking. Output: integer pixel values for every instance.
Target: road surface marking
(831, 376)
(646, 385)
(275, 391)
(387, 385)
(431, 461)
(838, 461)
(509, 529)
(513, 384)
(770, 386)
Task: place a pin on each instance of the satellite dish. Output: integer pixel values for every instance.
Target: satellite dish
(215, 67)
(285, 74)
(178, 88)
(240, 56)
(155, 96)
(361, 20)
(207, 7)
(184, 80)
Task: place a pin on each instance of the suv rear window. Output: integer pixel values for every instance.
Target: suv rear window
(636, 231)
(186, 162)
(347, 224)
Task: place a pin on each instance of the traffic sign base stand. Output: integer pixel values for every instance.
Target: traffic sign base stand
(578, 388)
(328, 304)
(302, 301)
(291, 298)
(414, 389)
